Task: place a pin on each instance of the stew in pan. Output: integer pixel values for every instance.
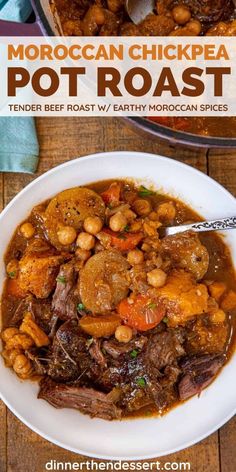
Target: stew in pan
(170, 18)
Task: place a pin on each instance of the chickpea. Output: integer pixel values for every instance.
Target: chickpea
(10, 355)
(153, 216)
(123, 334)
(82, 254)
(156, 278)
(181, 14)
(218, 316)
(136, 226)
(12, 268)
(114, 5)
(20, 341)
(22, 365)
(66, 235)
(146, 247)
(142, 207)
(129, 215)
(194, 26)
(8, 333)
(93, 225)
(94, 17)
(85, 241)
(166, 211)
(135, 257)
(118, 221)
(27, 230)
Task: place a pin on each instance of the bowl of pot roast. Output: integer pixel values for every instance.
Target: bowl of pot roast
(119, 333)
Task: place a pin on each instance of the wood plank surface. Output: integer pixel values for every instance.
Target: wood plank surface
(62, 139)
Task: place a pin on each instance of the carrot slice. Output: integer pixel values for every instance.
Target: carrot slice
(112, 194)
(143, 314)
(124, 241)
(99, 326)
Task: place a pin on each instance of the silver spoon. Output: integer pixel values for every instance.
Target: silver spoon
(215, 225)
(139, 9)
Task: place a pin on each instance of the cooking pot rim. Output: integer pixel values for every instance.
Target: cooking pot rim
(142, 123)
(180, 137)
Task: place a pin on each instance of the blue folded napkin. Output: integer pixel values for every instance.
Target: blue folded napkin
(19, 147)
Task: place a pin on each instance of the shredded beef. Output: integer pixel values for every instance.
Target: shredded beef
(198, 373)
(87, 400)
(69, 356)
(64, 298)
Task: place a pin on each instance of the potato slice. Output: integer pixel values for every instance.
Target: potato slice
(99, 326)
(70, 208)
(104, 281)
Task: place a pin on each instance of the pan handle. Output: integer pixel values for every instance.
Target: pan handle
(12, 28)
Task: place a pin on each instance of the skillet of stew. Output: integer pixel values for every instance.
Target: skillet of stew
(170, 18)
(108, 316)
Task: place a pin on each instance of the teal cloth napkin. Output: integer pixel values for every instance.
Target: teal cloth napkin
(19, 147)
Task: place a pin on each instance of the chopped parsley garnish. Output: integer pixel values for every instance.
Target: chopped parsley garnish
(11, 275)
(144, 192)
(80, 307)
(122, 236)
(165, 320)
(89, 342)
(134, 354)
(61, 279)
(126, 228)
(141, 382)
(152, 306)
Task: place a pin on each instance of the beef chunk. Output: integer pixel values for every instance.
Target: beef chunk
(36, 358)
(162, 370)
(150, 377)
(40, 309)
(163, 349)
(210, 11)
(69, 357)
(198, 373)
(87, 400)
(64, 299)
(96, 353)
(116, 349)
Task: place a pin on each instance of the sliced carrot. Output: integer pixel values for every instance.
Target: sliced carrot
(13, 288)
(99, 326)
(112, 194)
(143, 314)
(124, 241)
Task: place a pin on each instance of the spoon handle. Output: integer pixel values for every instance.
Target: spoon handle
(215, 225)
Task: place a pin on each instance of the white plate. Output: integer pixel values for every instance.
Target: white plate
(129, 439)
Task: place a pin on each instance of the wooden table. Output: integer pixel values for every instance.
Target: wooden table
(61, 139)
